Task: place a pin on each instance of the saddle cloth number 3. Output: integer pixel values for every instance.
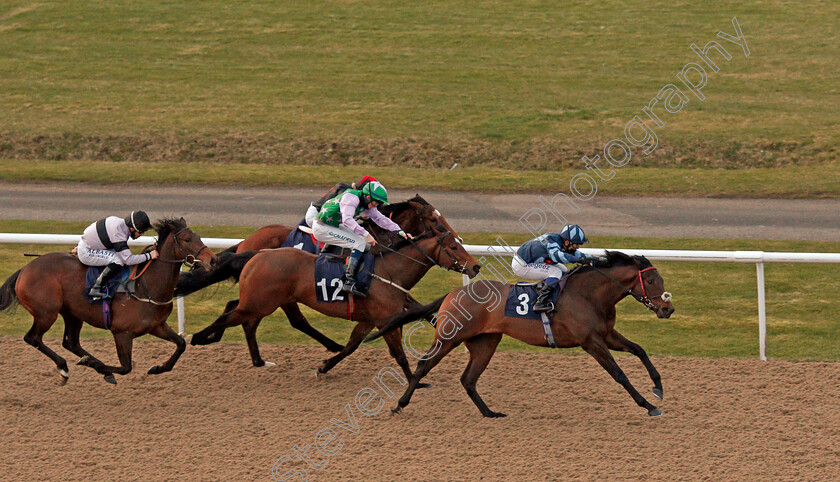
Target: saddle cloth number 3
(334, 283)
(524, 304)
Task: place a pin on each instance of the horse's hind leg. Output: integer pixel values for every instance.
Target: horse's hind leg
(597, 347)
(481, 349)
(432, 357)
(298, 322)
(615, 341)
(71, 341)
(213, 333)
(34, 337)
(165, 332)
(394, 341)
(356, 337)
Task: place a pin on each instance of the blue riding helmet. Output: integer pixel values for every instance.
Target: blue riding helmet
(574, 234)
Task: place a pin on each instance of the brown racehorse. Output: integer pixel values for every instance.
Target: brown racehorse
(285, 277)
(585, 317)
(408, 214)
(53, 284)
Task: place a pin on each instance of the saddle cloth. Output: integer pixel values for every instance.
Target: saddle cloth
(301, 240)
(329, 276)
(117, 284)
(521, 298)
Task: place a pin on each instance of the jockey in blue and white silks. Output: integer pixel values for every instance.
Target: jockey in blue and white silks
(544, 257)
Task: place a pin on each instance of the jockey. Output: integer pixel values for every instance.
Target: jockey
(543, 258)
(334, 191)
(105, 242)
(336, 225)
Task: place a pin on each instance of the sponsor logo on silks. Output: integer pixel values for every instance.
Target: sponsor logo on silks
(341, 236)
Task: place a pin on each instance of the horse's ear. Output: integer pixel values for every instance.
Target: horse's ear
(184, 221)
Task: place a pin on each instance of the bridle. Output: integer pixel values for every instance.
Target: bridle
(190, 258)
(643, 298)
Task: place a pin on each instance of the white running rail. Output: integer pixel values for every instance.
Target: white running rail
(756, 257)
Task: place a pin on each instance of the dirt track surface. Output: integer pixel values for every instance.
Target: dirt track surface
(216, 418)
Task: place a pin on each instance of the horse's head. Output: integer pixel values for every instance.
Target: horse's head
(450, 252)
(641, 280)
(178, 243)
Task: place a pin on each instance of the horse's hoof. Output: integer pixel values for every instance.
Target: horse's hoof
(496, 415)
(155, 370)
(654, 412)
(84, 361)
(63, 376)
(396, 410)
(110, 379)
(269, 364)
(424, 385)
(187, 338)
(657, 392)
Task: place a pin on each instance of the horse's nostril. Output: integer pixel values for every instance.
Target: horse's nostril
(476, 268)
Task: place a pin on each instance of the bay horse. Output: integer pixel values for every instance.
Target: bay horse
(585, 318)
(286, 277)
(54, 283)
(408, 214)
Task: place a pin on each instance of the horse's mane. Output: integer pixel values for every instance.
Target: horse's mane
(617, 258)
(394, 210)
(398, 208)
(165, 227)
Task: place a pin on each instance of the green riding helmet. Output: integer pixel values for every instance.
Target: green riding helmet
(376, 191)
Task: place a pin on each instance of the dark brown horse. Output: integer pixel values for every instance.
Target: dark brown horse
(53, 284)
(285, 277)
(585, 318)
(412, 215)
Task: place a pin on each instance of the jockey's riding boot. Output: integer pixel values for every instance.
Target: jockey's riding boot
(543, 304)
(97, 291)
(350, 276)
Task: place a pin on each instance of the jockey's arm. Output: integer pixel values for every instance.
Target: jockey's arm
(381, 220)
(348, 205)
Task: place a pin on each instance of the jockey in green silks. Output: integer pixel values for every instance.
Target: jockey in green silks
(336, 225)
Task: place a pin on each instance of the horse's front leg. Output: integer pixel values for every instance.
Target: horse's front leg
(597, 347)
(124, 342)
(615, 341)
(165, 332)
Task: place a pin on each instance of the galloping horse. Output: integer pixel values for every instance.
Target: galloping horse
(53, 284)
(285, 277)
(585, 318)
(408, 214)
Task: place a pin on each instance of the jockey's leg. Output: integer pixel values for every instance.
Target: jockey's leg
(350, 272)
(97, 290)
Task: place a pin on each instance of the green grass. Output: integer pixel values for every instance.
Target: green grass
(516, 84)
(716, 302)
(786, 182)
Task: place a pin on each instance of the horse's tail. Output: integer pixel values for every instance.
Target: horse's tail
(8, 297)
(406, 317)
(230, 265)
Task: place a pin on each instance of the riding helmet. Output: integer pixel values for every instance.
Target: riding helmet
(376, 191)
(574, 234)
(138, 220)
